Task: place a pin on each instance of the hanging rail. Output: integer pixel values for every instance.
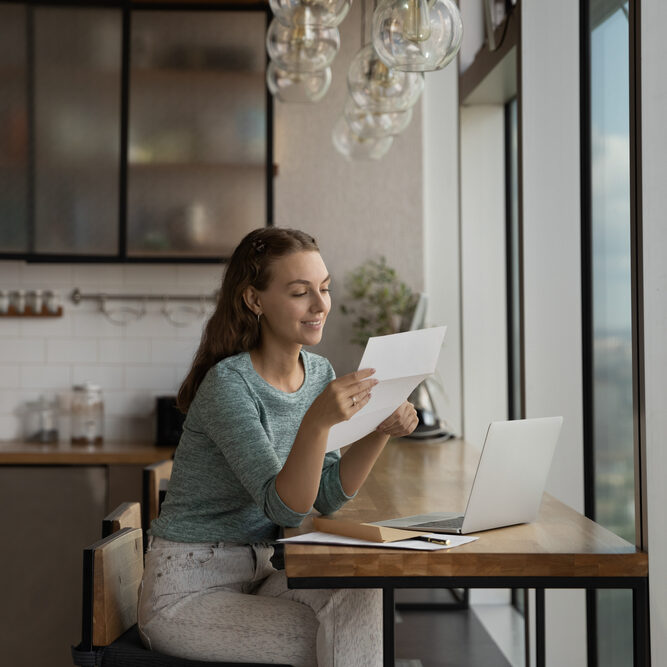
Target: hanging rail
(77, 297)
(122, 315)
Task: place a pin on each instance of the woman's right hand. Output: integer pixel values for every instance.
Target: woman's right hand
(343, 398)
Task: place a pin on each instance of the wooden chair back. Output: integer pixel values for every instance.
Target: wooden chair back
(126, 515)
(155, 478)
(112, 571)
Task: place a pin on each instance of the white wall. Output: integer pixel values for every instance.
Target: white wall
(483, 269)
(440, 107)
(552, 283)
(654, 170)
(474, 34)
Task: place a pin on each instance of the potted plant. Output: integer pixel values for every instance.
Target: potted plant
(378, 301)
(381, 303)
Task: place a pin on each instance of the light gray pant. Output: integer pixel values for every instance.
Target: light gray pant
(227, 602)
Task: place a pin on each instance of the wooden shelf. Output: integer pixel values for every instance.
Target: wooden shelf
(28, 312)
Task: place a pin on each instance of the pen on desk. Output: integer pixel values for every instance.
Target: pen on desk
(445, 543)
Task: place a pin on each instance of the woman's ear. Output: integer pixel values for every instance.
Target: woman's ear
(252, 300)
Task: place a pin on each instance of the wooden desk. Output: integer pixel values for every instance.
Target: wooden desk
(563, 549)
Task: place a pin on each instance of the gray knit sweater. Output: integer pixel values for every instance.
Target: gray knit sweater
(237, 435)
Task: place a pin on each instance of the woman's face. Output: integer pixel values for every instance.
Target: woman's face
(297, 301)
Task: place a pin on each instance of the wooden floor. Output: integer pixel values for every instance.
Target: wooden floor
(444, 639)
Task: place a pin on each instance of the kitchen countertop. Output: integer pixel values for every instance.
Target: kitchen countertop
(138, 453)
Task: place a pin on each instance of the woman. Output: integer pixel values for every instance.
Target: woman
(251, 459)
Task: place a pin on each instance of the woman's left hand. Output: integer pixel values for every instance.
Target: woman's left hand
(402, 422)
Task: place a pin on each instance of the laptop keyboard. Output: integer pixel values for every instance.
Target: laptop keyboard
(453, 523)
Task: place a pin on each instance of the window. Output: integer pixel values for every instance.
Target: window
(608, 303)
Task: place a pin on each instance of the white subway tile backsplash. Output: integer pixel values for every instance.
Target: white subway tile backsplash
(124, 351)
(133, 364)
(108, 377)
(200, 278)
(128, 403)
(73, 350)
(19, 350)
(180, 373)
(88, 324)
(176, 352)
(151, 325)
(10, 274)
(46, 377)
(10, 326)
(192, 325)
(10, 427)
(91, 277)
(116, 429)
(46, 275)
(9, 402)
(10, 376)
(154, 278)
(45, 326)
(149, 377)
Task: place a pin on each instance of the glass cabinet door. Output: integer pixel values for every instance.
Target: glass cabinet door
(13, 129)
(197, 175)
(77, 89)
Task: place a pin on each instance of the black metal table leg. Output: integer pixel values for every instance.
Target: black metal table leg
(640, 616)
(388, 659)
(540, 650)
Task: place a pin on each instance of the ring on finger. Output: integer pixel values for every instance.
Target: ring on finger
(354, 401)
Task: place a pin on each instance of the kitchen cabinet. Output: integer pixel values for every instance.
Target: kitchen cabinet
(145, 132)
(55, 497)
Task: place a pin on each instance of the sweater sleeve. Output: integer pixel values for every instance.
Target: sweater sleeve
(330, 495)
(230, 418)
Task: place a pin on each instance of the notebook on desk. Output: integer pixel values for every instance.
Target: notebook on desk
(509, 482)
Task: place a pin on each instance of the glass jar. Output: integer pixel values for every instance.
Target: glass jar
(87, 414)
(40, 421)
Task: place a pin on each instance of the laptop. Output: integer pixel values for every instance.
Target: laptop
(509, 482)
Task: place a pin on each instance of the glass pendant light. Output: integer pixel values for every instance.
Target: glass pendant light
(318, 13)
(296, 86)
(301, 48)
(376, 87)
(417, 35)
(375, 124)
(354, 147)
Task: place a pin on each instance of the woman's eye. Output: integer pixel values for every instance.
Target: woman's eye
(325, 290)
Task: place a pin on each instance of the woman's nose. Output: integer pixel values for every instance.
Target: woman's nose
(319, 305)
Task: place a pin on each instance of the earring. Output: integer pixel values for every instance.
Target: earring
(258, 316)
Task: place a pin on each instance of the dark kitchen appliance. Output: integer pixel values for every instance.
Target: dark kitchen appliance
(169, 422)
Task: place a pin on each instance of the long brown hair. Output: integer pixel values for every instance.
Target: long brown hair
(233, 327)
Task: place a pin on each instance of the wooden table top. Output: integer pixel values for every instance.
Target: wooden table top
(413, 478)
(26, 453)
